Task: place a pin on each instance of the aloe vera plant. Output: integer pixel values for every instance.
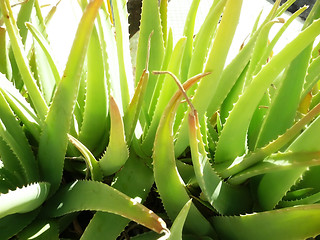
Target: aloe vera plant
(84, 152)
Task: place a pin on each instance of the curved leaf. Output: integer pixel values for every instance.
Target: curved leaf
(21, 58)
(13, 224)
(13, 135)
(97, 196)
(107, 224)
(91, 162)
(117, 151)
(169, 183)
(293, 223)
(167, 90)
(95, 112)
(237, 124)
(54, 139)
(277, 162)
(25, 199)
(150, 22)
(178, 224)
(220, 194)
(122, 40)
(20, 106)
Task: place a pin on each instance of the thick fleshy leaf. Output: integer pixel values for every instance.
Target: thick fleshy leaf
(13, 134)
(278, 162)
(4, 54)
(21, 107)
(237, 124)
(304, 143)
(150, 22)
(109, 224)
(54, 139)
(22, 61)
(169, 183)
(120, 15)
(167, 90)
(92, 164)
(241, 163)
(97, 196)
(40, 230)
(11, 171)
(282, 111)
(48, 73)
(314, 198)
(25, 199)
(204, 96)
(218, 193)
(188, 32)
(13, 224)
(110, 57)
(177, 226)
(117, 151)
(299, 222)
(95, 112)
(131, 116)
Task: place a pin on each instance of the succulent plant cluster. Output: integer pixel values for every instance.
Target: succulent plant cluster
(230, 149)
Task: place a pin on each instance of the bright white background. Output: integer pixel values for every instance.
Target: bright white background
(62, 28)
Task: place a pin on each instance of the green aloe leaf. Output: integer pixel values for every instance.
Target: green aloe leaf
(204, 37)
(95, 113)
(25, 199)
(282, 111)
(21, 59)
(275, 39)
(46, 72)
(241, 163)
(217, 55)
(130, 118)
(203, 99)
(13, 135)
(164, 95)
(178, 224)
(314, 198)
(13, 224)
(109, 224)
(278, 162)
(303, 143)
(309, 181)
(150, 22)
(122, 40)
(45, 50)
(110, 57)
(159, 85)
(54, 139)
(5, 66)
(188, 32)
(218, 193)
(20, 107)
(96, 196)
(92, 164)
(169, 183)
(24, 16)
(133, 112)
(40, 230)
(163, 16)
(300, 222)
(237, 124)
(117, 151)
(12, 173)
(256, 61)
(312, 77)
